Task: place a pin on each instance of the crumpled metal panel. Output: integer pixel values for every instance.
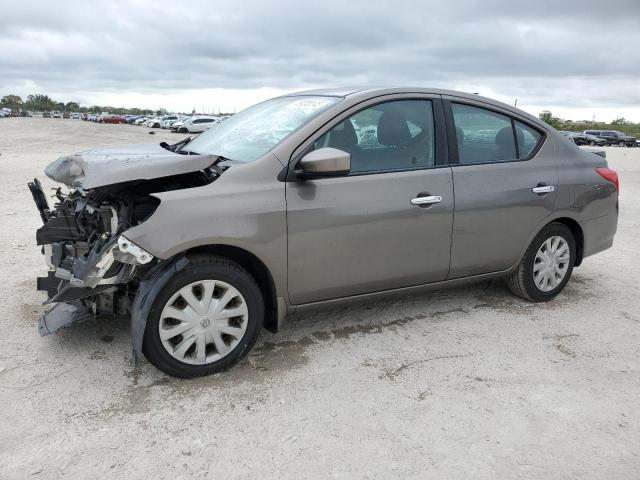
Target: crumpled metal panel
(98, 168)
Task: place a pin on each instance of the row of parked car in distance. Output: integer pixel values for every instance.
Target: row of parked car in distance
(601, 138)
(177, 123)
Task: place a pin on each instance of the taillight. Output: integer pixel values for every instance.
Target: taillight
(610, 175)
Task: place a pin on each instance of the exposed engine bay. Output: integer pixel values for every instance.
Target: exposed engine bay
(93, 268)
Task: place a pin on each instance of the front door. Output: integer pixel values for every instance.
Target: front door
(370, 231)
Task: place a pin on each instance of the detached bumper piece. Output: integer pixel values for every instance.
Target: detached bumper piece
(94, 276)
(62, 315)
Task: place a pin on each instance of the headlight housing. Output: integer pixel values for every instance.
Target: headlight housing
(68, 170)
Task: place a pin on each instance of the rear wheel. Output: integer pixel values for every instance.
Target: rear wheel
(547, 265)
(204, 320)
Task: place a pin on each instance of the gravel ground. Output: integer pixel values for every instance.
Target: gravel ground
(464, 383)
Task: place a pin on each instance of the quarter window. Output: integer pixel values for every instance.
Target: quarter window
(528, 139)
(394, 135)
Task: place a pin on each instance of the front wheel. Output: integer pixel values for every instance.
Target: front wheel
(546, 266)
(205, 319)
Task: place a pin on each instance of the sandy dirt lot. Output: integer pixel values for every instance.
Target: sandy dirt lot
(464, 383)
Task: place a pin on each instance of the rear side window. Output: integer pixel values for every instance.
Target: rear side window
(482, 135)
(485, 136)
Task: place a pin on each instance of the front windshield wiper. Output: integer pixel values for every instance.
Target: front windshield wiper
(177, 147)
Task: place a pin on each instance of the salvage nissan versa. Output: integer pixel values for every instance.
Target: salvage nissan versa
(312, 199)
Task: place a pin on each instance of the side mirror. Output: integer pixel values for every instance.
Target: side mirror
(324, 162)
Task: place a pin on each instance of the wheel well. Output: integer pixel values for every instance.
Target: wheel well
(257, 269)
(578, 236)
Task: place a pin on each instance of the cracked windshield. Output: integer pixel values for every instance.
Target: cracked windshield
(253, 132)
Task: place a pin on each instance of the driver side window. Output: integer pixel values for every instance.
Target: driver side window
(389, 136)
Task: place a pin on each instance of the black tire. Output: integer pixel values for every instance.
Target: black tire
(183, 130)
(521, 281)
(202, 268)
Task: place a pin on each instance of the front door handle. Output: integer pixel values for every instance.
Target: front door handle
(428, 200)
(543, 189)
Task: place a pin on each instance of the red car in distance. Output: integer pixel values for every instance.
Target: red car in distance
(114, 119)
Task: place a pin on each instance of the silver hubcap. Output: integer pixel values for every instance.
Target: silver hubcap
(551, 263)
(203, 322)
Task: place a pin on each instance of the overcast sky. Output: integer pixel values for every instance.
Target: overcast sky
(567, 56)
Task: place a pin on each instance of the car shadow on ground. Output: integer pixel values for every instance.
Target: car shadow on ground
(107, 340)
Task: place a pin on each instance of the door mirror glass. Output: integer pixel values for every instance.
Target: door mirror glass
(325, 162)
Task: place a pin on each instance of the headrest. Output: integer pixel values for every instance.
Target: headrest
(504, 138)
(393, 129)
(343, 136)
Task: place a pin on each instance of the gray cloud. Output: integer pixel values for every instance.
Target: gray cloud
(559, 53)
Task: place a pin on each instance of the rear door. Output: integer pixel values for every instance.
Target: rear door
(505, 183)
(388, 223)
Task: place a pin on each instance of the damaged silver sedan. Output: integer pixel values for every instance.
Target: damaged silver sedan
(311, 199)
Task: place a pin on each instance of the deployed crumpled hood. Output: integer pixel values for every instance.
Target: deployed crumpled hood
(97, 168)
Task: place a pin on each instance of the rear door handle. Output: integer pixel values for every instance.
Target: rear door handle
(428, 200)
(543, 189)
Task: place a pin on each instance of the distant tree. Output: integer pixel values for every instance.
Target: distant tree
(14, 102)
(620, 121)
(39, 102)
(72, 107)
(547, 117)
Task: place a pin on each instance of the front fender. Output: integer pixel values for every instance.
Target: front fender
(244, 208)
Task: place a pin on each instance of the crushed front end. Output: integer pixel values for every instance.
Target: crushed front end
(93, 268)
(92, 265)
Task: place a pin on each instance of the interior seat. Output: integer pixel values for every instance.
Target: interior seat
(393, 130)
(393, 133)
(343, 137)
(505, 145)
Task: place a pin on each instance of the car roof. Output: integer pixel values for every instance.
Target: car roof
(369, 92)
(374, 91)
